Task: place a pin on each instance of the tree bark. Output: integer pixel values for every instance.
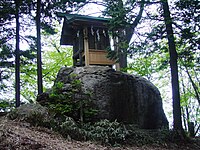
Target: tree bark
(39, 57)
(174, 67)
(193, 85)
(17, 57)
(129, 31)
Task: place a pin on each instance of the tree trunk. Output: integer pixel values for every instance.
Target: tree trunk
(123, 60)
(195, 87)
(122, 51)
(129, 33)
(174, 67)
(184, 118)
(17, 57)
(191, 129)
(39, 57)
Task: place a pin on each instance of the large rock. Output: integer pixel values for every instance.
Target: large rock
(125, 97)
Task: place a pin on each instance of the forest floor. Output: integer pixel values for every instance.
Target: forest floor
(16, 135)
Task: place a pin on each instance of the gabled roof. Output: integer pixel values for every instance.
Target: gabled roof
(72, 21)
(83, 19)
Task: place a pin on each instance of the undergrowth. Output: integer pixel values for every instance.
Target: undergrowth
(104, 131)
(70, 113)
(74, 103)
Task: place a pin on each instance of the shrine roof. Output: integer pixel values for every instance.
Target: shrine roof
(85, 19)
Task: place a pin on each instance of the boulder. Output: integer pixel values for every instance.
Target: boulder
(117, 95)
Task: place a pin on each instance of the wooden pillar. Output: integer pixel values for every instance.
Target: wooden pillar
(74, 52)
(86, 47)
(117, 66)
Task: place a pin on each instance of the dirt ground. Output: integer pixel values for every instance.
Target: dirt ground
(21, 136)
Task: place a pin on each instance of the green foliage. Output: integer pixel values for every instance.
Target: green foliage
(27, 43)
(106, 132)
(47, 29)
(118, 12)
(70, 128)
(149, 63)
(73, 103)
(114, 133)
(6, 106)
(6, 65)
(54, 57)
(150, 56)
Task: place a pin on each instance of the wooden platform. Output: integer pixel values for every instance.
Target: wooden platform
(99, 57)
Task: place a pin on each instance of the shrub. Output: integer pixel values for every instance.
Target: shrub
(70, 128)
(6, 106)
(106, 132)
(73, 102)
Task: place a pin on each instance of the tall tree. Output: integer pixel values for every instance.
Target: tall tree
(39, 57)
(173, 66)
(7, 48)
(186, 32)
(123, 23)
(48, 9)
(188, 24)
(17, 56)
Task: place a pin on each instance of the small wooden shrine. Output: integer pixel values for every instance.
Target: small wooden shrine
(89, 37)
